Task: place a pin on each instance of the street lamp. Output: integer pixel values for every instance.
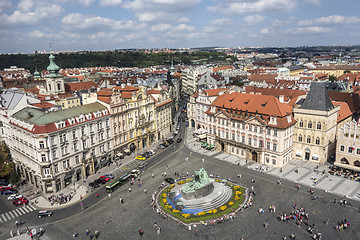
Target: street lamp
(74, 188)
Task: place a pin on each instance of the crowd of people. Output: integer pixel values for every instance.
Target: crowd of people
(59, 199)
(342, 224)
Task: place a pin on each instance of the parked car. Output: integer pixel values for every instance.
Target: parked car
(142, 165)
(161, 146)
(3, 188)
(135, 172)
(94, 184)
(45, 213)
(3, 182)
(105, 178)
(140, 158)
(152, 152)
(170, 180)
(179, 140)
(109, 175)
(10, 191)
(14, 196)
(146, 154)
(170, 141)
(22, 201)
(98, 181)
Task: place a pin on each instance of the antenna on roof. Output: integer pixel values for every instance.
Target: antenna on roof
(50, 48)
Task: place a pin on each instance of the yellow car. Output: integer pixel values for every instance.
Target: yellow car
(140, 158)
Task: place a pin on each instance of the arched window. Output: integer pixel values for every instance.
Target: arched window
(318, 126)
(317, 141)
(301, 124)
(300, 138)
(49, 87)
(344, 161)
(308, 140)
(59, 86)
(310, 124)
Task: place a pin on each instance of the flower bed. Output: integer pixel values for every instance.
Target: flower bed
(234, 203)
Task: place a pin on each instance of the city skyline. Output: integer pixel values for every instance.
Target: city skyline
(29, 25)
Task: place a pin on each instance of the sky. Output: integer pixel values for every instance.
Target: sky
(31, 25)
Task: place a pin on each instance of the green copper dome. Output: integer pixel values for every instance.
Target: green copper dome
(52, 68)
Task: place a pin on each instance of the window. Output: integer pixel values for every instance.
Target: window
(255, 128)
(350, 150)
(309, 124)
(68, 163)
(75, 147)
(301, 124)
(358, 151)
(267, 160)
(261, 143)
(317, 141)
(64, 164)
(275, 132)
(92, 140)
(250, 128)
(227, 135)
(274, 161)
(255, 142)
(54, 154)
(84, 144)
(274, 146)
(233, 136)
(318, 126)
(268, 145)
(56, 167)
(243, 139)
(250, 141)
(74, 134)
(261, 130)
(268, 131)
(342, 148)
(77, 159)
(46, 171)
(243, 126)
(42, 145)
(52, 141)
(43, 158)
(300, 138)
(308, 140)
(82, 131)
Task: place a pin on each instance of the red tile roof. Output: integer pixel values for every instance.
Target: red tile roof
(43, 105)
(262, 77)
(127, 95)
(104, 99)
(77, 86)
(344, 111)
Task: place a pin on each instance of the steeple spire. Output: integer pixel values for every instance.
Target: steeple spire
(52, 68)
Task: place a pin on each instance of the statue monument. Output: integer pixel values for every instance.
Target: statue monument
(201, 194)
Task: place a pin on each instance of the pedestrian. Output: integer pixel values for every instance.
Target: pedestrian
(152, 175)
(327, 222)
(141, 232)
(97, 233)
(196, 232)
(122, 201)
(129, 189)
(11, 233)
(145, 191)
(97, 195)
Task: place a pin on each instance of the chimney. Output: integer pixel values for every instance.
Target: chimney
(281, 98)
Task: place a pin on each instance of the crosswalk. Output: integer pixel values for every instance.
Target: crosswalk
(16, 213)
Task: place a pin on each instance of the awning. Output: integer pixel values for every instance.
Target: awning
(202, 136)
(347, 166)
(298, 153)
(126, 150)
(315, 157)
(119, 154)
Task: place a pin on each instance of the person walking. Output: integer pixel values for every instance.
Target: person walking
(141, 232)
(196, 232)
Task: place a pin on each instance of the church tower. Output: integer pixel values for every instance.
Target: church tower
(54, 81)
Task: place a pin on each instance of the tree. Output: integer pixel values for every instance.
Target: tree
(347, 71)
(332, 78)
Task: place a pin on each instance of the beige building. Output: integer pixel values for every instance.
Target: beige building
(68, 101)
(317, 120)
(348, 146)
(255, 127)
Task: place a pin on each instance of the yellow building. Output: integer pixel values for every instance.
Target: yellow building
(317, 121)
(68, 101)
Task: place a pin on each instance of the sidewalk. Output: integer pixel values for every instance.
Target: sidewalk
(81, 188)
(305, 175)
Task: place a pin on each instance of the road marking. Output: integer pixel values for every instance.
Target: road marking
(3, 216)
(15, 213)
(26, 210)
(11, 214)
(32, 208)
(19, 212)
(7, 215)
(22, 210)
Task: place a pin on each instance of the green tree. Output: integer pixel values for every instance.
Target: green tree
(332, 78)
(347, 71)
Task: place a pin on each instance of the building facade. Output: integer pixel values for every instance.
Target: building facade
(257, 128)
(55, 149)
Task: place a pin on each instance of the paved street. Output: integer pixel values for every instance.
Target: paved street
(117, 221)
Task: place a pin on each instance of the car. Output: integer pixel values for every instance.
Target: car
(161, 146)
(102, 180)
(98, 181)
(170, 180)
(135, 172)
(141, 158)
(44, 213)
(178, 127)
(9, 191)
(94, 184)
(3, 182)
(165, 144)
(14, 196)
(3, 188)
(142, 165)
(109, 175)
(21, 202)
(170, 141)
(146, 154)
(179, 140)
(105, 178)
(152, 152)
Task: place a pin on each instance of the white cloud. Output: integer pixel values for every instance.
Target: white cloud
(265, 31)
(4, 4)
(330, 20)
(184, 20)
(308, 30)
(162, 27)
(211, 29)
(253, 19)
(25, 5)
(86, 3)
(112, 3)
(31, 17)
(185, 28)
(41, 35)
(154, 10)
(221, 21)
(282, 22)
(231, 7)
(314, 2)
(77, 21)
